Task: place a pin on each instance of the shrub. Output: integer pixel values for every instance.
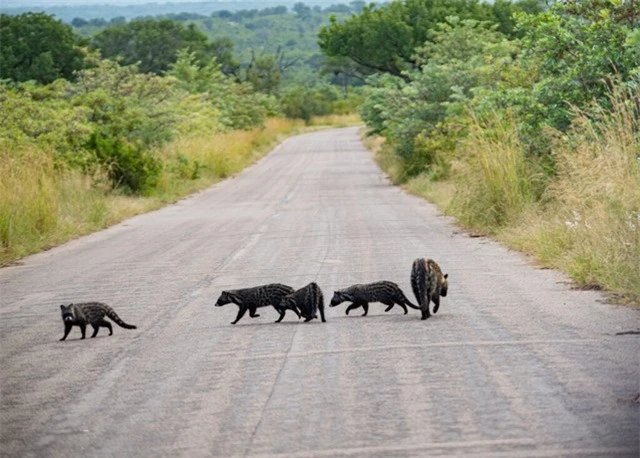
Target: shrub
(128, 167)
(305, 103)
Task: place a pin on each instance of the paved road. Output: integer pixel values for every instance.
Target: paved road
(515, 364)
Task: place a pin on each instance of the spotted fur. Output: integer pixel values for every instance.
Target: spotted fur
(309, 300)
(258, 296)
(92, 313)
(428, 284)
(387, 292)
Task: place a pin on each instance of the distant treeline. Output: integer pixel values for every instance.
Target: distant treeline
(101, 15)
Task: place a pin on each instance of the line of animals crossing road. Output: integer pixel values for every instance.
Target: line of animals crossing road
(427, 282)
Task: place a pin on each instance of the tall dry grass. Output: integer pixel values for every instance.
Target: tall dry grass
(583, 220)
(590, 227)
(495, 182)
(42, 206)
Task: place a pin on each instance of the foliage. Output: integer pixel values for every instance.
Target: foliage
(321, 100)
(303, 104)
(130, 113)
(128, 167)
(569, 54)
(264, 74)
(238, 105)
(578, 45)
(111, 119)
(462, 56)
(154, 44)
(384, 39)
(589, 225)
(125, 103)
(41, 116)
(258, 34)
(35, 46)
(222, 51)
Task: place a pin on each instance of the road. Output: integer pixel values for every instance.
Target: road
(516, 363)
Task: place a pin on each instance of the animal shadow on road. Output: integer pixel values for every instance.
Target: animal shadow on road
(259, 323)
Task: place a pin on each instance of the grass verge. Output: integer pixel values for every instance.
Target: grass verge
(584, 219)
(42, 206)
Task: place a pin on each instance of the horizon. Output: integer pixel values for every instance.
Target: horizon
(5, 4)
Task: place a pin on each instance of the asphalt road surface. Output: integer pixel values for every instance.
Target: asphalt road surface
(515, 364)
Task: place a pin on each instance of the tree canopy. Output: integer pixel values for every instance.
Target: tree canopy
(35, 46)
(383, 39)
(154, 44)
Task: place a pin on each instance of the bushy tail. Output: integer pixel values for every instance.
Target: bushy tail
(319, 300)
(419, 281)
(408, 302)
(116, 319)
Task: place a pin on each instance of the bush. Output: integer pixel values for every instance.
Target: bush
(237, 105)
(130, 168)
(43, 116)
(304, 103)
(463, 57)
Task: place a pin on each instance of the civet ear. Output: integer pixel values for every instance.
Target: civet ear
(62, 306)
(446, 275)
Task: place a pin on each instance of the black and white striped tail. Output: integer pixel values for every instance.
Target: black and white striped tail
(116, 319)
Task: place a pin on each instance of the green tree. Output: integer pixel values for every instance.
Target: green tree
(384, 39)
(264, 74)
(463, 56)
(131, 113)
(79, 22)
(35, 46)
(238, 105)
(97, 22)
(304, 103)
(153, 44)
(577, 47)
(302, 10)
(222, 51)
(41, 115)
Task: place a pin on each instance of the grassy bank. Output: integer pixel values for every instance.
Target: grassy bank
(583, 219)
(42, 205)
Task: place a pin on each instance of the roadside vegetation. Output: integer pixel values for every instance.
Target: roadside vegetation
(95, 131)
(520, 118)
(524, 126)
